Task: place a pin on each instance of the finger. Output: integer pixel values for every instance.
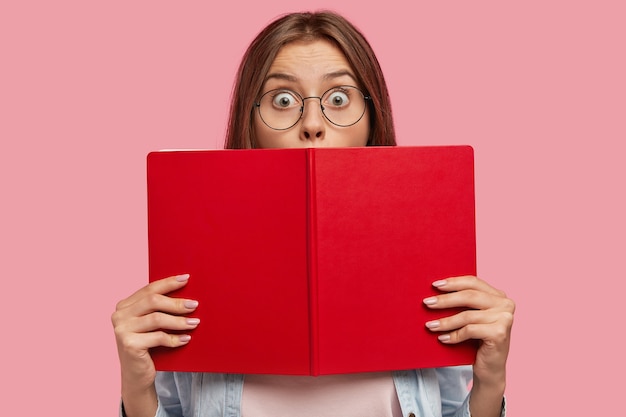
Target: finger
(466, 282)
(462, 319)
(140, 342)
(160, 321)
(496, 333)
(466, 298)
(161, 286)
(151, 303)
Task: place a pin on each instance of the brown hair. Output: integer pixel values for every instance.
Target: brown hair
(262, 51)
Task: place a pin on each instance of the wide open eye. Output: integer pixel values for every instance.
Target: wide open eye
(337, 98)
(285, 99)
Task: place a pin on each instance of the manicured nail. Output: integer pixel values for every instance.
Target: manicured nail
(444, 338)
(193, 321)
(191, 304)
(440, 283)
(430, 301)
(184, 338)
(182, 278)
(433, 324)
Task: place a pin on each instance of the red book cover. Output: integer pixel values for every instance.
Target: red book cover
(312, 261)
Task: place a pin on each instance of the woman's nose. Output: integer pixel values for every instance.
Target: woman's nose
(313, 122)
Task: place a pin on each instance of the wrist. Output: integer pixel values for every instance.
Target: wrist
(137, 375)
(139, 402)
(487, 399)
(494, 383)
(490, 379)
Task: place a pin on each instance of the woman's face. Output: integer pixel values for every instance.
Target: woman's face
(310, 69)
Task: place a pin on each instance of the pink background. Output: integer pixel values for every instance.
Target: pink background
(88, 88)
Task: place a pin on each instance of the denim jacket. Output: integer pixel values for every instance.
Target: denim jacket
(440, 392)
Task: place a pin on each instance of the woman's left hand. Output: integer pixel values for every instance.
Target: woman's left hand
(488, 318)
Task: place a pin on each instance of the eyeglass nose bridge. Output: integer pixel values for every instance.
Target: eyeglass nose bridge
(309, 97)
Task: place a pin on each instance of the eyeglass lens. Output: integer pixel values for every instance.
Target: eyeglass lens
(282, 108)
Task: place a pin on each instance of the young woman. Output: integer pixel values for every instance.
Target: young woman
(312, 80)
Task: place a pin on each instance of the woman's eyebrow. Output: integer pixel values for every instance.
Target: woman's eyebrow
(338, 74)
(326, 77)
(281, 76)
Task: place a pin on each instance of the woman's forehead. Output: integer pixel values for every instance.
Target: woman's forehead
(317, 59)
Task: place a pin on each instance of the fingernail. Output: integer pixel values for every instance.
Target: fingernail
(433, 324)
(440, 283)
(191, 304)
(184, 338)
(193, 321)
(430, 301)
(182, 278)
(444, 338)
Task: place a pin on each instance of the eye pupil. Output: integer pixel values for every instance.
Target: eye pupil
(284, 101)
(337, 100)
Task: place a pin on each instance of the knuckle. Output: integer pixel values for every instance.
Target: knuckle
(175, 340)
(509, 305)
(117, 330)
(152, 299)
(120, 329)
(459, 335)
(473, 296)
(501, 334)
(508, 318)
(512, 304)
(155, 320)
(119, 305)
(465, 316)
(115, 318)
(469, 329)
(119, 321)
(170, 340)
(501, 293)
(128, 343)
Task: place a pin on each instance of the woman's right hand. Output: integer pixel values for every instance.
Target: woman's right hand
(141, 322)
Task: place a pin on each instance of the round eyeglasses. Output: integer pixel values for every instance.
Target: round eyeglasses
(281, 109)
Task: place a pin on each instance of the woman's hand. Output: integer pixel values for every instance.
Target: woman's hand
(488, 318)
(141, 322)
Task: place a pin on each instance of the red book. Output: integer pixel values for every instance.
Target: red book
(312, 261)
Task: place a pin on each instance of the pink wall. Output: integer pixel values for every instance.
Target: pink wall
(88, 88)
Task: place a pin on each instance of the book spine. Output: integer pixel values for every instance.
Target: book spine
(312, 261)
